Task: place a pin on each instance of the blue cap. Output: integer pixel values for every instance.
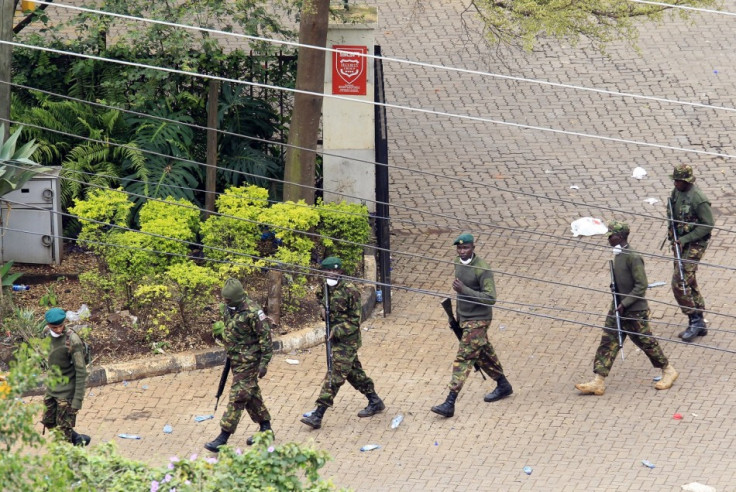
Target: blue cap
(55, 316)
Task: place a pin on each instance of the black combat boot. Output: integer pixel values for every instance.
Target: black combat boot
(375, 405)
(220, 440)
(696, 328)
(265, 426)
(80, 439)
(502, 390)
(315, 420)
(447, 409)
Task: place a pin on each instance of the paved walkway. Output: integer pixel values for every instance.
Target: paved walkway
(572, 442)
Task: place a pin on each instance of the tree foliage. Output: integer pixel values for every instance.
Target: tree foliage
(523, 22)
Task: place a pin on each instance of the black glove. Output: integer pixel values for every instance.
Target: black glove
(262, 372)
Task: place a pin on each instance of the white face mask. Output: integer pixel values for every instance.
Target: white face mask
(55, 335)
(466, 262)
(332, 282)
(617, 250)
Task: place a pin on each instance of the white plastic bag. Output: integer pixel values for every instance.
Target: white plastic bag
(82, 314)
(588, 226)
(639, 172)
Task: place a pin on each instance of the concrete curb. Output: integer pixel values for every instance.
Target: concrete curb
(201, 359)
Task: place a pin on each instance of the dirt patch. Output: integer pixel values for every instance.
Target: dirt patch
(113, 337)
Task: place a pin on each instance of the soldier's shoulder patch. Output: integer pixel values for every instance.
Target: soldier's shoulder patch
(261, 315)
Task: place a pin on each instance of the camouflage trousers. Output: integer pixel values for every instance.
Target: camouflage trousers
(474, 347)
(244, 395)
(59, 413)
(690, 301)
(637, 323)
(345, 366)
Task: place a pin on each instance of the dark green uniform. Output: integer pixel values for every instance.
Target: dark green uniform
(248, 343)
(344, 320)
(692, 209)
(631, 282)
(474, 313)
(63, 401)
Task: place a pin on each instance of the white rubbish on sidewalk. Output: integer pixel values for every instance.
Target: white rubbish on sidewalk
(588, 226)
(651, 201)
(697, 487)
(639, 172)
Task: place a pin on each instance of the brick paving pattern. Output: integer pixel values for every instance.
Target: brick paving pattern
(572, 442)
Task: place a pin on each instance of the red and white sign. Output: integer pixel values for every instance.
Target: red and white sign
(349, 72)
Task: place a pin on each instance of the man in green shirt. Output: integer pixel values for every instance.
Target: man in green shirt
(64, 400)
(633, 310)
(694, 222)
(476, 293)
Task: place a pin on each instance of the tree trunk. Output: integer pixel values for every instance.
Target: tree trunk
(211, 173)
(7, 8)
(299, 173)
(273, 303)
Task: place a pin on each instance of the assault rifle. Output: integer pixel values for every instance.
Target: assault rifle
(456, 329)
(223, 380)
(676, 245)
(614, 290)
(328, 332)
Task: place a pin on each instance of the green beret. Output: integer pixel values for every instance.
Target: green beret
(331, 263)
(614, 227)
(233, 291)
(683, 172)
(464, 239)
(55, 316)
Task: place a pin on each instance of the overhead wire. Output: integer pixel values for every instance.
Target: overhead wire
(374, 103)
(577, 243)
(283, 267)
(466, 181)
(405, 61)
(572, 202)
(365, 245)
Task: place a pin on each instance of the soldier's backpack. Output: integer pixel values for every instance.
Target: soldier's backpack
(86, 349)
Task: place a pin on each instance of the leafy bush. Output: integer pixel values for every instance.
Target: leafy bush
(24, 325)
(17, 425)
(292, 223)
(349, 223)
(99, 290)
(192, 286)
(154, 306)
(102, 208)
(232, 237)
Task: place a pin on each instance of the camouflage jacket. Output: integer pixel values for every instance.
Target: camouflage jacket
(692, 210)
(69, 358)
(247, 333)
(631, 280)
(345, 311)
(475, 301)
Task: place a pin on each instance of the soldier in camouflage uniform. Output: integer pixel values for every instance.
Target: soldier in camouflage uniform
(633, 309)
(345, 309)
(247, 337)
(476, 293)
(694, 222)
(63, 401)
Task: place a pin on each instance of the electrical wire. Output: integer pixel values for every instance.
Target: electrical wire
(576, 243)
(402, 60)
(284, 268)
(411, 255)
